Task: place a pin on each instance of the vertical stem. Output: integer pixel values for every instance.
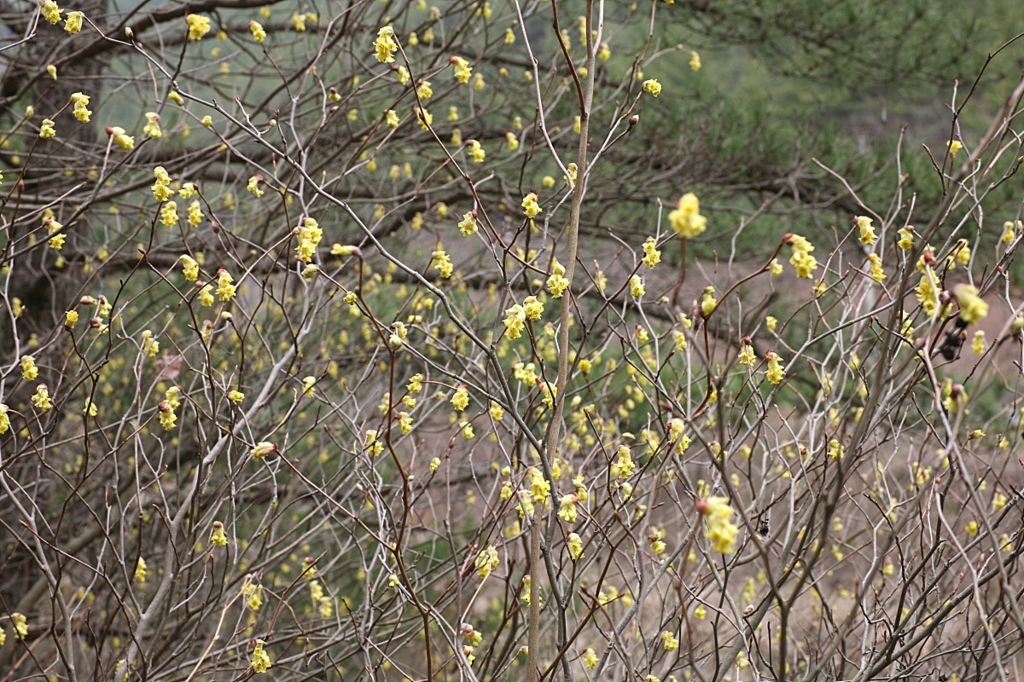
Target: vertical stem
(554, 429)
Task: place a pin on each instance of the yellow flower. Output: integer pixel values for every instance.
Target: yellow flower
(622, 467)
(652, 256)
(636, 286)
(391, 118)
(956, 400)
(694, 61)
(152, 127)
(669, 641)
(218, 538)
(652, 86)
(686, 220)
(575, 546)
(169, 214)
(29, 370)
(747, 356)
(1010, 231)
(971, 528)
(167, 416)
(70, 318)
(309, 234)
(973, 308)
(533, 308)
(774, 373)
(530, 206)
(385, 46)
(906, 241)
(81, 107)
(73, 24)
(424, 91)
(225, 288)
(198, 26)
(978, 343)
(720, 529)
(262, 449)
(260, 659)
(515, 318)
(462, 69)
(476, 151)
(867, 231)
(567, 508)
(5, 422)
(41, 398)
(195, 213)
(253, 186)
(46, 130)
(486, 561)
(875, 270)
(513, 141)
(954, 147)
(122, 140)
(258, 34)
(236, 396)
(496, 411)
(589, 659)
(20, 624)
(468, 226)
(50, 11)
(460, 400)
(557, 283)
(709, 302)
(801, 258)
(442, 261)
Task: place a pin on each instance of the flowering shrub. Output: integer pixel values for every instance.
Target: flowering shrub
(320, 362)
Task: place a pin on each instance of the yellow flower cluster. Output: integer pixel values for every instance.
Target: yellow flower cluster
(801, 258)
(152, 127)
(189, 267)
(385, 45)
(73, 24)
(557, 283)
(41, 398)
(225, 288)
(652, 256)
(747, 356)
(81, 107)
(460, 400)
(463, 70)
(774, 373)
(309, 234)
(476, 151)
(260, 659)
(258, 34)
(468, 225)
(686, 219)
(121, 139)
(486, 561)
(721, 531)
(866, 231)
(652, 87)
(575, 546)
(50, 11)
(973, 308)
(198, 26)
